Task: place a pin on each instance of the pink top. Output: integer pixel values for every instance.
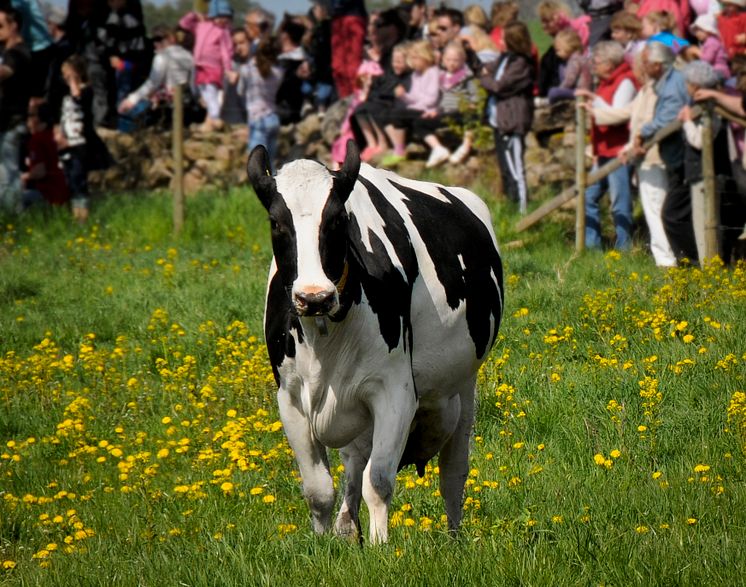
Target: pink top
(425, 90)
(213, 49)
(713, 52)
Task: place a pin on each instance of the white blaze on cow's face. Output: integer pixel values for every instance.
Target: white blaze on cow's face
(306, 206)
(306, 188)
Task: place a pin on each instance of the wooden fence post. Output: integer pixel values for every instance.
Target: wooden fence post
(711, 212)
(178, 155)
(580, 173)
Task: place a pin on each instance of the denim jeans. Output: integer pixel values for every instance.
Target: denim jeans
(10, 171)
(264, 132)
(617, 184)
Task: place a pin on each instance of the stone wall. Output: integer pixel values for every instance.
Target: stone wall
(144, 160)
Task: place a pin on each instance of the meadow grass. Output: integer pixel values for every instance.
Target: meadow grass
(140, 442)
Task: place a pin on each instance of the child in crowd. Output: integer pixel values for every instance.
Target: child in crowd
(81, 149)
(213, 49)
(626, 29)
(710, 49)
(260, 79)
(658, 26)
(44, 180)
(365, 73)
(457, 88)
(732, 26)
(370, 112)
(576, 71)
(510, 83)
(422, 96)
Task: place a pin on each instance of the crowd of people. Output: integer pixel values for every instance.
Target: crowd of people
(411, 73)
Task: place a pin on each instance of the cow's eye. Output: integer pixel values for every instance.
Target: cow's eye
(274, 225)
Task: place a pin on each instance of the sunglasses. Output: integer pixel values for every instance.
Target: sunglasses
(443, 28)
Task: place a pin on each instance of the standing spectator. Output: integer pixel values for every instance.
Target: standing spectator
(294, 63)
(651, 173)
(626, 29)
(348, 38)
(509, 82)
(670, 88)
(616, 88)
(84, 18)
(38, 40)
(575, 71)
(678, 10)
(15, 86)
(81, 149)
(61, 50)
(259, 82)
(412, 103)
(213, 49)
(259, 25)
(732, 27)
(601, 12)
(474, 17)
(448, 25)
(710, 49)
(319, 50)
(172, 66)
(233, 110)
(416, 11)
(127, 49)
(44, 180)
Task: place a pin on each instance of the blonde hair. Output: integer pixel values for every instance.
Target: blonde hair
(457, 47)
(474, 15)
(664, 21)
(569, 39)
(504, 12)
(548, 9)
(481, 41)
(421, 49)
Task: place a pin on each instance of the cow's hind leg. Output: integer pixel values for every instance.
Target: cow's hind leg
(454, 459)
(311, 456)
(354, 457)
(392, 417)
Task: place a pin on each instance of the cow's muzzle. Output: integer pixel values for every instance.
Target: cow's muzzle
(318, 303)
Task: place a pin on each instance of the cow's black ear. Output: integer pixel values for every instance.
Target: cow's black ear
(347, 175)
(260, 175)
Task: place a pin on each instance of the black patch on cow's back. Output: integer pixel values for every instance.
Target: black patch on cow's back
(389, 292)
(451, 230)
(279, 320)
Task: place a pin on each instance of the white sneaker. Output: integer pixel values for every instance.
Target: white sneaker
(460, 154)
(437, 156)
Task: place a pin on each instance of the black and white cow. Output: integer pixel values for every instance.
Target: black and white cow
(385, 296)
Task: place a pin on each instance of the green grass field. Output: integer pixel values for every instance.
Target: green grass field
(140, 443)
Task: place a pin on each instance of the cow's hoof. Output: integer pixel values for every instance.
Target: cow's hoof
(345, 527)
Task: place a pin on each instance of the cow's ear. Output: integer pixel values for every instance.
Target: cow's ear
(260, 175)
(347, 175)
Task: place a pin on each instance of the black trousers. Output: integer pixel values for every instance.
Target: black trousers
(677, 216)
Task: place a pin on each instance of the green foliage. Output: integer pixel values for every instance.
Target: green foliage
(139, 442)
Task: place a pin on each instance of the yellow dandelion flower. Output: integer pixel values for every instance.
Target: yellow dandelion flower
(256, 491)
(227, 487)
(615, 454)
(642, 529)
(599, 459)
(268, 499)
(9, 565)
(691, 521)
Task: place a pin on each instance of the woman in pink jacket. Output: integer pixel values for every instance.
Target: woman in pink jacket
(213, 50)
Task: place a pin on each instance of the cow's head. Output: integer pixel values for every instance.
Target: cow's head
(306, 205)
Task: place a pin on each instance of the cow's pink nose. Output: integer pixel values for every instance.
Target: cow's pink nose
(314, 303)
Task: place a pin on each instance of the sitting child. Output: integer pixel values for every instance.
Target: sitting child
(411, 104)
(576, 71)
(457, 88)
(44, 180)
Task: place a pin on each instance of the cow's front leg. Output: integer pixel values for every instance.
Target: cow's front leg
(311, 456)
(392, 410)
